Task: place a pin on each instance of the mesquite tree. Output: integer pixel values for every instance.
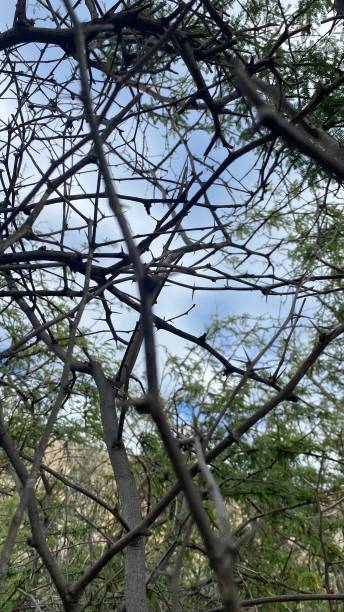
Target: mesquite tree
(152, 154)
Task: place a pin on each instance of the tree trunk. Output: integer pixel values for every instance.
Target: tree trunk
(134, 554)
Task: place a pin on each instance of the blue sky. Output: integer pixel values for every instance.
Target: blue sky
(174, 300)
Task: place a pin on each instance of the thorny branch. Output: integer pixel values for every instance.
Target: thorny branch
(99, 211)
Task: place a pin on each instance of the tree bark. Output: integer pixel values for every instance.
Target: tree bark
(134, 554)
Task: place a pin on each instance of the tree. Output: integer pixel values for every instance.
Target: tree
(151, 151)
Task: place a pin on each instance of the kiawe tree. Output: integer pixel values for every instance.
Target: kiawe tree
(157, 160)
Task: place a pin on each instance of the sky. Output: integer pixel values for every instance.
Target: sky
(174, 301)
